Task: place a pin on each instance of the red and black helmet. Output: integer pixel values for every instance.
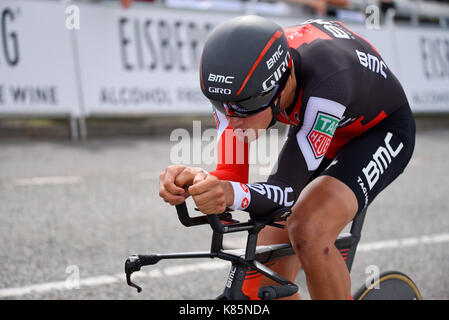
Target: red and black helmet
(244, 65)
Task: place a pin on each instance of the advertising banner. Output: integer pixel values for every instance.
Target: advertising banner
(423, 58)
(37, 74)
(143, 61)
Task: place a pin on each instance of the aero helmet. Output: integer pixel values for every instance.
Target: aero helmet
(245, 65)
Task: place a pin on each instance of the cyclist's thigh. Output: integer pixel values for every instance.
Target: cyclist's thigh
(370, 162)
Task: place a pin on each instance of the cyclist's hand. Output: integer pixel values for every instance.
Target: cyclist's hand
(208, 192)
(168, 190)
(185, 178)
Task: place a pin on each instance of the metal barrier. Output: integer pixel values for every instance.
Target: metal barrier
(57, 60)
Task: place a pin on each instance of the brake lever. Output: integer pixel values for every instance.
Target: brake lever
(131, 284)
(132, 264)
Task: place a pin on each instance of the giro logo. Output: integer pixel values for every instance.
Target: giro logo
(336, 30)
(220, 78)
(271, 81)
(219, 90)
(380, 162)
(275, 57)
(372, 63)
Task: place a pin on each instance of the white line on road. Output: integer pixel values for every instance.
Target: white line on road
(402, 243)
(202, 266)
(111, 279)
(47, 180)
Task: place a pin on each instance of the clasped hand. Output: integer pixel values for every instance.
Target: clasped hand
(178, 182)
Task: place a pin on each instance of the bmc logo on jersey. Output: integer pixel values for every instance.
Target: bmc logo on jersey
(321, 134)
(381, 159)
(372, 63)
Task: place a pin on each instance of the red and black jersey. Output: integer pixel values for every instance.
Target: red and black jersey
(343, 89)
(334, 63)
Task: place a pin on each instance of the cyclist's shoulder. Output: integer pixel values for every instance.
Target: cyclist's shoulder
(327, 42)
(312, 31)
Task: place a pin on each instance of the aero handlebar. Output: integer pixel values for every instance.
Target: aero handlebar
(220, 223)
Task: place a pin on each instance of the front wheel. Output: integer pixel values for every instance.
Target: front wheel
(391, 285)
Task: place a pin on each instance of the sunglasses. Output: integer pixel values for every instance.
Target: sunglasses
(253, 105)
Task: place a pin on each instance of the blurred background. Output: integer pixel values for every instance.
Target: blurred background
(91, 93)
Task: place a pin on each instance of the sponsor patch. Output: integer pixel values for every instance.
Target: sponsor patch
(320, 136)
(320, 122)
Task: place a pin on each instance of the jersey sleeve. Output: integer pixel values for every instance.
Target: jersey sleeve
(232, 153)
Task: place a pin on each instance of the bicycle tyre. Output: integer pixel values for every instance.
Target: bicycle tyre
(391, 285)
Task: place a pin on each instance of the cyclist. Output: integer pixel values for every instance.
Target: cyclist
(351, 134)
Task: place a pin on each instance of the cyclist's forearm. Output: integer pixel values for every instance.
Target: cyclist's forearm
(260, 199)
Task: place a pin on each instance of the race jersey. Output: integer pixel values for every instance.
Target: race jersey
(343, 89)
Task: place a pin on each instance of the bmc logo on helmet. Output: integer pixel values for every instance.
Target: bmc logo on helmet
(275, 57)
(271, 81)
(219, 90)
(220, 78)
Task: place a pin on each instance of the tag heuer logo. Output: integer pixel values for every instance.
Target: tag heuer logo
(322, 132)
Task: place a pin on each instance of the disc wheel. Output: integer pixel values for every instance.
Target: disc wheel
(392, 285)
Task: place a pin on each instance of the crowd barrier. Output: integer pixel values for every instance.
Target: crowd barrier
(90, 59)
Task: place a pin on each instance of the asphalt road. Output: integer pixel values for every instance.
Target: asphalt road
(71, 213)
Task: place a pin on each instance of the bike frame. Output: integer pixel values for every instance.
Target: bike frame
(253, 257)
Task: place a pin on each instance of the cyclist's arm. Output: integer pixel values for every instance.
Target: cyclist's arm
(232, 153)
(299, 158)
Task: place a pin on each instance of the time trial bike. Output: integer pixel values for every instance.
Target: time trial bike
(253, 259)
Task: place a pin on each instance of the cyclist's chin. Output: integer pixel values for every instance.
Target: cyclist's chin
(248, 135)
